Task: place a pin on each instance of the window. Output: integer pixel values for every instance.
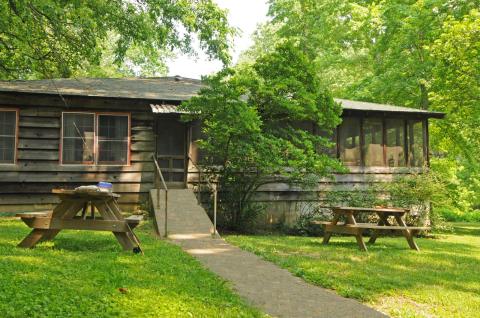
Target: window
(349, 141)
(8, 136)
(113, 139)
(415, 143)
(373, 142)
(395, 142)
(78, 138)
(89, 138)
(377, 142)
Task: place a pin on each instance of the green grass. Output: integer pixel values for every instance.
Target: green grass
(443, 280)
(80, 273)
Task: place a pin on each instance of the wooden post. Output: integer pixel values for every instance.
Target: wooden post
(166, 212)
(215, 209)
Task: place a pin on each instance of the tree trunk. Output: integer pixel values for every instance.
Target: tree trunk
(424, 102)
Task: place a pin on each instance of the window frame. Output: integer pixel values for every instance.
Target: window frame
(404, 120)
(95, 161)
(17, 126)
(96, 143)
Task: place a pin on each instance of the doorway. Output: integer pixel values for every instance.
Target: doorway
(171, 149)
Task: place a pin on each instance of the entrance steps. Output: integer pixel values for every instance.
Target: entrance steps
(186, 218)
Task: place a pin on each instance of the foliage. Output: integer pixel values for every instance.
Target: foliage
(456, 91)
(440, 281)
(80, 273)
(308, 212)
(421, 54)
(252, 118)
(48, 38)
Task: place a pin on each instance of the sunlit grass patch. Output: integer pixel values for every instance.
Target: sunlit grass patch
(86, 274)
(442, 280)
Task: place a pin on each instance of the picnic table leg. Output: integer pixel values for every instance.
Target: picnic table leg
(361, 243)
(66, 209)
(382, 221)
(113, 206)
(107, 214)
(407, 233)
(358, 236)
(327, 235)
(35, 236)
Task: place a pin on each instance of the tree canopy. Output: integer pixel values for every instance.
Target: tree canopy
(52, 38)
(254, 120)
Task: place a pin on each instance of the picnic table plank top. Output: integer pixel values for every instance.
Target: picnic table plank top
(380, 210)
(85, 193)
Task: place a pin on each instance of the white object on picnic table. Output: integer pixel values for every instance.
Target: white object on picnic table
(91, 188)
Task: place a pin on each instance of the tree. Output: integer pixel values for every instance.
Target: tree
(52, 38)
(456, 91)
(252, 121)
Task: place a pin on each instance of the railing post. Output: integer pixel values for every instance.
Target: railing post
(215, 210)
(166, 213)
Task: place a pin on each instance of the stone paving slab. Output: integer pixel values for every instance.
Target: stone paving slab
(266, 286)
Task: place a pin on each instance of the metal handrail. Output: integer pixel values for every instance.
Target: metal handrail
(214, 189)
(159, 173)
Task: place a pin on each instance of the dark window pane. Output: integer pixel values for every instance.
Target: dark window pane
(178, 164)
(415, 143)
(373, 142)
(113, 139)
(8, 127)
(7, 149)
(8, 123)
(395, 143)
(178, 177)
(78, 138)
(113, 151)
(112, 127)
(78, 150)
(171, 137)
(349, 141)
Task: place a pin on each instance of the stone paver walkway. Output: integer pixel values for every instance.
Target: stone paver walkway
(272, 289)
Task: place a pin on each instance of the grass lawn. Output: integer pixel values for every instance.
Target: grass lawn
(80, 273)
(443, 280)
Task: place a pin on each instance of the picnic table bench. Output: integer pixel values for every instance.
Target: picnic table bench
(352, 227)
(72, 213)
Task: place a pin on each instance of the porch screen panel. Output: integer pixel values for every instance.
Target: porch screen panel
(349, 141)
(8, 127)
(395, 143)
(416, 143)
(113, 139)
(78, 138)
(373, 142)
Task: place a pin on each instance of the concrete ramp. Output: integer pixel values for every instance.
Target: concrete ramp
(185, 216)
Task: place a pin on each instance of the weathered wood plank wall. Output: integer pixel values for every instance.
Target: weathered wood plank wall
(27, 185)
(284, 202)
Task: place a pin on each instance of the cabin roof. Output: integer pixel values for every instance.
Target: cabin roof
(162, 88)
(174, 88)
(374, 107)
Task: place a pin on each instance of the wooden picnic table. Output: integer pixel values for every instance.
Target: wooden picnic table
(352, 227)
(46, 225)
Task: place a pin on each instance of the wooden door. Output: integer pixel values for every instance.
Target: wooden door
(172, 149)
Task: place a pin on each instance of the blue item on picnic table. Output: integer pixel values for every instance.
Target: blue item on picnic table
(105, 185)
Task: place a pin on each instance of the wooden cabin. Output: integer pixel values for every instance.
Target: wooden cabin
(64, 133)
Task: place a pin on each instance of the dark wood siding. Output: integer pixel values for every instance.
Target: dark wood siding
(27, 185)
